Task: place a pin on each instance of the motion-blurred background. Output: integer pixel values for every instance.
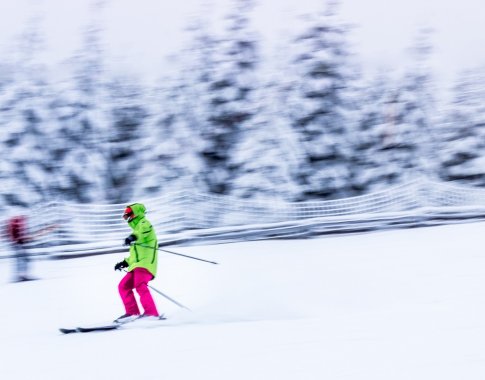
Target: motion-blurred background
(108, 102)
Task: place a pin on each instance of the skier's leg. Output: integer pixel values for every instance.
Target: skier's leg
(19, 269)
(26, 264)
(142, 276)
(21, 263)
(125, 288)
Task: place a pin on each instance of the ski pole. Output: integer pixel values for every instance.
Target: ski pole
(164, 295)
(178, 254)
(170, 299)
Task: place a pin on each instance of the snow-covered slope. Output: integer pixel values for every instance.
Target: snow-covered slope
(405, 304)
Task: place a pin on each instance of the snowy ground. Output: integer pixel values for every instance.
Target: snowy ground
(406, 304)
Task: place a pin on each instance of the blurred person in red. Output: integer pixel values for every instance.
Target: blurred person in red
(20, 236)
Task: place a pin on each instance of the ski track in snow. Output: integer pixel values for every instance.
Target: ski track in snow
(405, 304)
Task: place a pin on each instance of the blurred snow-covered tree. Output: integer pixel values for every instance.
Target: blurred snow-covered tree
(172, 159)
(320, 106)
(169, 156)
(26, 167)
(126, 140)
(229, 105)
(370, 171)
(84, 123)
(463, 139)
(409, 147)
(266, 156)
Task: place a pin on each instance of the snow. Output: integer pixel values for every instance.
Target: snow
(404, 304)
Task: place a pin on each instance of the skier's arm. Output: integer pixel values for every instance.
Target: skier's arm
(43, 231)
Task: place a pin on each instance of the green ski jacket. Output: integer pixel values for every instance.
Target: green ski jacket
(144, 250)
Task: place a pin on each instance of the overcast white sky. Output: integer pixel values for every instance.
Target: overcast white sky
(142, 33)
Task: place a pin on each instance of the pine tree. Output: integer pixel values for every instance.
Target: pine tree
(84, 122)
(25, 105)
(266, 156)
(320, 107)
(172, 158)
(409, 149)
(376, 112)
(127, 138)
(230, 105)
(169, 158)
(463, 138)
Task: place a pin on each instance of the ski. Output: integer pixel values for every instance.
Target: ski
(144, 322)
(140, 322)
(86, 329)
(98, 328)
(67, 331)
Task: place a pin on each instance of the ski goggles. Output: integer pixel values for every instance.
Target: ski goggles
(128, 214)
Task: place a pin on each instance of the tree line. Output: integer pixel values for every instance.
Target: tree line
(306, 126)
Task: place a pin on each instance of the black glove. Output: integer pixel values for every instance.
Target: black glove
(121, 265)
(130, 239)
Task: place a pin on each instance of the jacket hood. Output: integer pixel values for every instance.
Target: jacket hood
(139, 211)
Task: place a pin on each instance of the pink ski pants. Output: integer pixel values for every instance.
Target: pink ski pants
(137, 279)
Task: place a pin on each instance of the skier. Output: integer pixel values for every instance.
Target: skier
(19, 237)
(141, 264)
